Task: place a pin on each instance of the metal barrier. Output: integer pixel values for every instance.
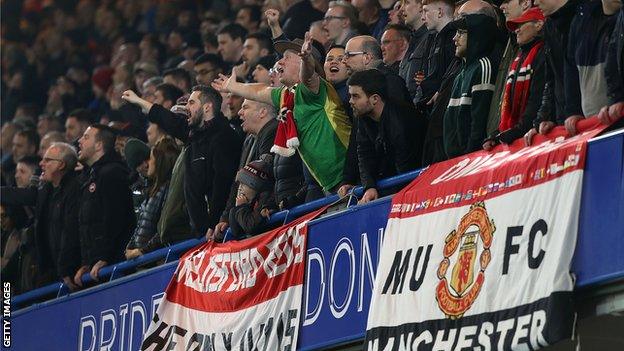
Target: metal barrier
(173, 252)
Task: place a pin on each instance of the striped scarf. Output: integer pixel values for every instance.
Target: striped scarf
(514, 104)
(286, 136)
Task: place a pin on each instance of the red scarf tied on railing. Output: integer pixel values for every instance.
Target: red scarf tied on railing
(513, 106)
(286, 137)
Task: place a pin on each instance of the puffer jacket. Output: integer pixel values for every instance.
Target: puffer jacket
(106, 217)
(289, 182)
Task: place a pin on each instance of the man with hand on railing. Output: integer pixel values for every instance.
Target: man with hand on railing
(106, 217)
(390, 135)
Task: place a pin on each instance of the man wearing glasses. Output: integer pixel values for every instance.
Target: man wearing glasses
(56, 203)
(339, 22)
(363, 53)
(465, 119)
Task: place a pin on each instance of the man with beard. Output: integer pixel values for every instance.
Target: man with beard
(211, 153)
(390, 135)
(106, 217)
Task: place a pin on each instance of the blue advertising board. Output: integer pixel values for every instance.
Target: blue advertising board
(342, 257)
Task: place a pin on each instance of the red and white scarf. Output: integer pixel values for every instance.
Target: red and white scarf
(286, 137)
(513, 106)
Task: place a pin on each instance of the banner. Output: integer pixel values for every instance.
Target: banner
(240, 295)
(477, 251)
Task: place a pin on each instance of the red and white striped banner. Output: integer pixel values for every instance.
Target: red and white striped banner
(241, 295)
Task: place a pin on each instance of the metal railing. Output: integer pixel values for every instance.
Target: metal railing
(173, 252)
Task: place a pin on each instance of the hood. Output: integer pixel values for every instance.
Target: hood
(482, 35)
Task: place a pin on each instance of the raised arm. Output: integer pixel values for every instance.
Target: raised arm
(306, 73)
(272, 16)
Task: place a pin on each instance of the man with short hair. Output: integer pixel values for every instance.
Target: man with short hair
(258, 121)
(57, 203)
(415, 58)
(437, 14)
(106, 217)
(76, 123)
(230, 39)
(149, 87)
(249, 16)
(166, 95)
(372, 15)
(26, 171)
(364, 52)
(339, 22)
(390, 135)
(210, 156)
(256, 45)
(48, 123)
(154, 134)
(207, 68)
(48, 139)
(465, 120)
(394, 45)
(25, 143)
(559, 15)
(178, 77)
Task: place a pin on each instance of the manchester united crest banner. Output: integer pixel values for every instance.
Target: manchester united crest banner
(478, 249)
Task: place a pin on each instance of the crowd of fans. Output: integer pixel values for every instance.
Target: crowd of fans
(131, 125)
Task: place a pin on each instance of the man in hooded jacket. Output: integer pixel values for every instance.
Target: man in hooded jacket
(465, 119)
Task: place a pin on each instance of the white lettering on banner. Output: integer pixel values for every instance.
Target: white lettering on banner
(111, 330)
(317, 262)
(523, 331)
(339, 310)
(468, 166)
(241, 268)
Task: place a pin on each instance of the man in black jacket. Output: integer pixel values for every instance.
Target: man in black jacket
(258, 121)
(615, 71)
(390, 135)
(211, 154)
(106, 217)
(56, 204)
(559, 15)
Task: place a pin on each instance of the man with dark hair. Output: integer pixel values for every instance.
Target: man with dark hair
(27, 171)
(256, 45)
(25, 143)
(210, 156)
(417, 52)
(57, 204)
(559, 15)
(166, 95)
(249, 16)
(372, 15)
(390, 135)
(394, 45)
(106, 217)
(339, 22)
(179, 77)
(207, 68)
(231, 38)
(76, 123)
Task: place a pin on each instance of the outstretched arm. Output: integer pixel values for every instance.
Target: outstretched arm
(252, 91)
